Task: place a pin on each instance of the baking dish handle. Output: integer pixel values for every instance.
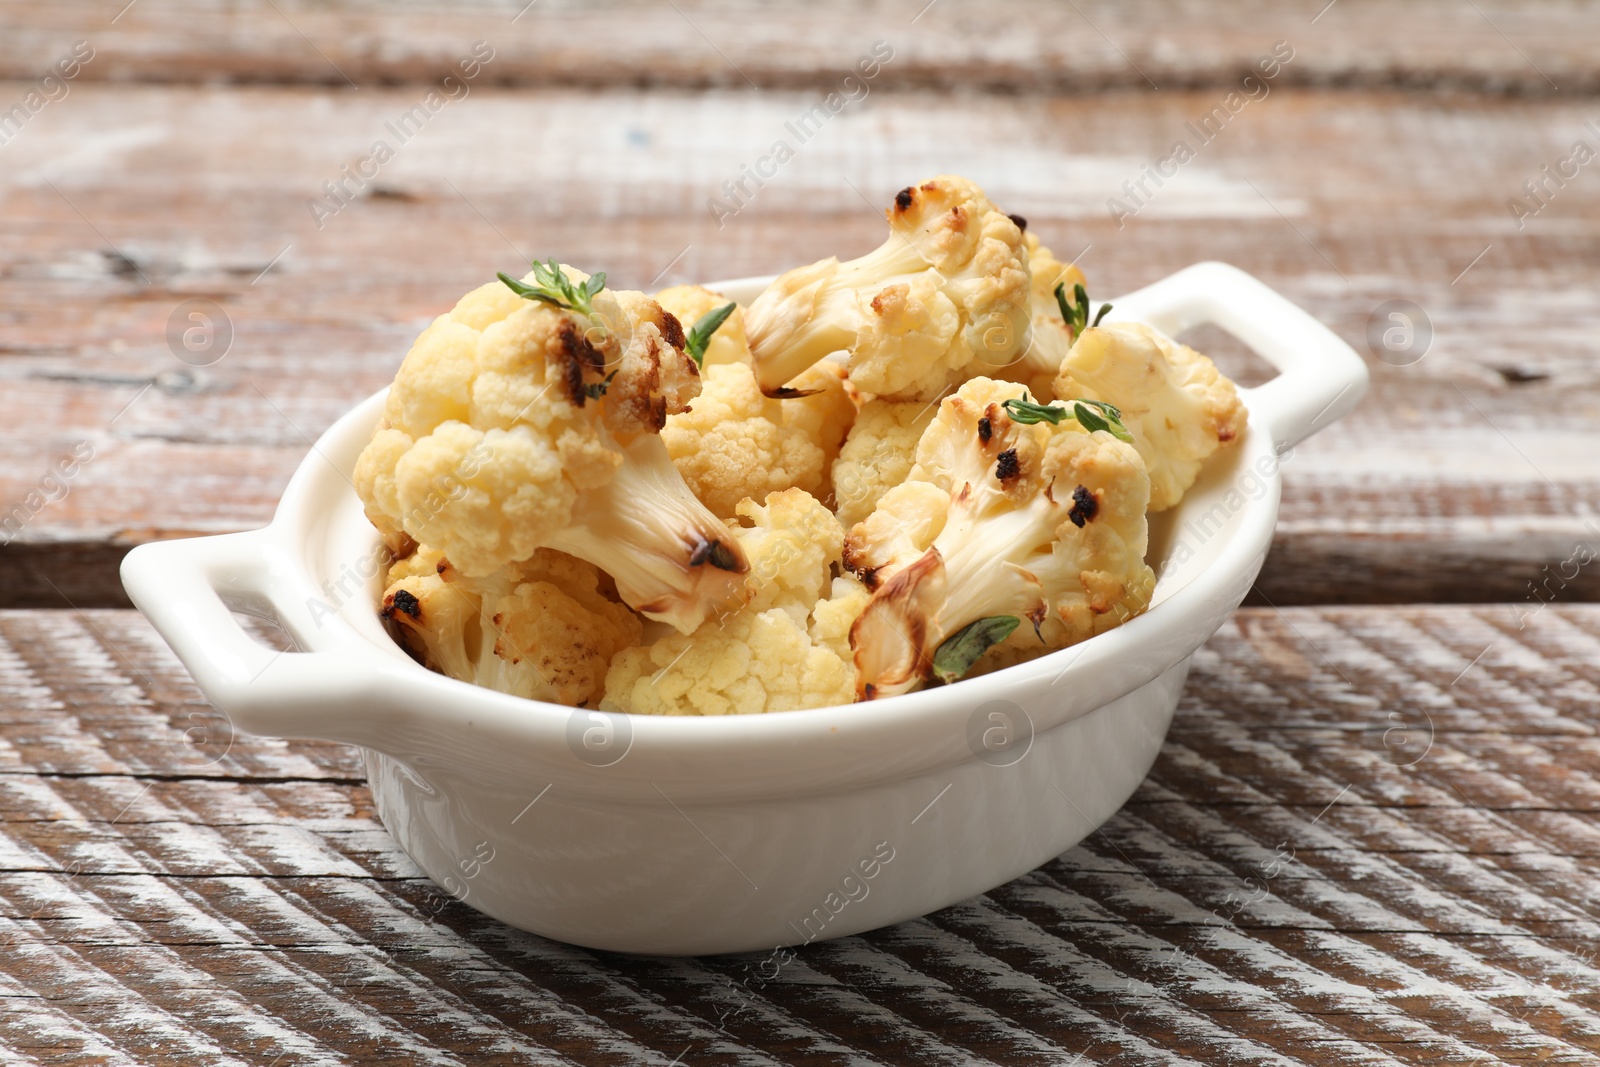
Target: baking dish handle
(1320, 377)
(188, 590)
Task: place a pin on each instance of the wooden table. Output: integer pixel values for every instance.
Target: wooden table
(1372, 834)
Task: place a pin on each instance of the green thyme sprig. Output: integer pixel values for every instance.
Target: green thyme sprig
(700, 334)
(596, 390)
(1092, 415)
(1076, 314)
(554, 287)
(961, 650)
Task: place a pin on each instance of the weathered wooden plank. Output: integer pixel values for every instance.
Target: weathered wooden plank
(1085, 47)
(134, 711)
(1468, 475)
(1292, 884)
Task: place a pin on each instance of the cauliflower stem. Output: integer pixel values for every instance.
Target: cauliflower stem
(821, 309)
(671, 558)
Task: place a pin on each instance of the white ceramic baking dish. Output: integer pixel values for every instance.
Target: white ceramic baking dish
(709, 835)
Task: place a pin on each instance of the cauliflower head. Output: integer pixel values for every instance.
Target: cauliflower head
(1046, 272)
(1020, 518)
(689, 303)
(1037, 364)
(779, 652)
(946, 293)
(540, 629)
(793, 543)
(1179, 408)
(833, 616)
(760, 661)
(735, 443)
(515, 424)
(877, 455)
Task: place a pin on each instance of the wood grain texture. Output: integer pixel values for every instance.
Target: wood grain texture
(1088, 46)
(1372, 837)
(1468, 475)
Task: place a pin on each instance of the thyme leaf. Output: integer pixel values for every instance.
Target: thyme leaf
(961, 650)
(1092, 415)
(1076, 314)
(700, 334)
(552, 286)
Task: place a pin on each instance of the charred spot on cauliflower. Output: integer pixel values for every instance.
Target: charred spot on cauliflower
(1084, 506)
(651, 377)
(403, 601)
(1006, 466)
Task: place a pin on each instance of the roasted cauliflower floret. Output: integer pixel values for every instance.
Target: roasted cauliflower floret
(1037, 364)
(1045, 272)
(793, 543)
(690, 303)
(764, 656)
(651, 377)
(760, 661)
(833, 617)
(1179, 408)
(944, 296)
(735, 443)
(1017, 518)
(517, 423)
(897, 533)
(539, 629)
(877, 455)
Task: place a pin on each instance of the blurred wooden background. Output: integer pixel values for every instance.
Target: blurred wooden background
(1378, 165)
(170, 895)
